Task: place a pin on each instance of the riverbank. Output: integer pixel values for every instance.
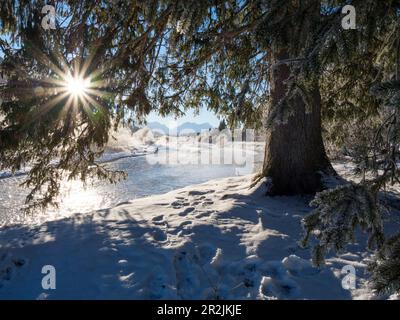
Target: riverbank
(219, 239)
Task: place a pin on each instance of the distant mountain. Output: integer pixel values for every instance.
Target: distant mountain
(158, 127)
(191, 127)
(184, 128)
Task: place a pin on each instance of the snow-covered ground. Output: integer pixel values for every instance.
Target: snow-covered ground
(179, 162)
(217, 240)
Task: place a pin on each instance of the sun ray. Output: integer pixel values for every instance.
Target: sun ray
(93, 102)
(71, 84)
(96, 92)
(45, 108)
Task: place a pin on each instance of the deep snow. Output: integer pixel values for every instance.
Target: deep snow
(217, 240)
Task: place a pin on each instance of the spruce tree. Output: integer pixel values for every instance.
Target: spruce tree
(164, 56)
(367, 74)
(236, 58)
(222, 125)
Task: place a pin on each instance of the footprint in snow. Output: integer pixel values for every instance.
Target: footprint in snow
(8, 267)
(273, 288)
(159, 235)
(199, 193)
(185, 223)
(187, 274)
(207, 202)
(179, 204)
(277, 282)
(158, 218)
(298, 266)
(204, 214)
(186, 211)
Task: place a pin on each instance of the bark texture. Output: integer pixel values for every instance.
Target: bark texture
(294, 151)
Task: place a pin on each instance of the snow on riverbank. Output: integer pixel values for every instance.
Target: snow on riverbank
(219, 240)
(123, 144)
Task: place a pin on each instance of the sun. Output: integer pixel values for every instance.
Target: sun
(76, 86)
(73, 86)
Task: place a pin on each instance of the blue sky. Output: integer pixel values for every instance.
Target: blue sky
(203, 116)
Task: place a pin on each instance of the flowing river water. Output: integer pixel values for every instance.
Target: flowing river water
(146, 176)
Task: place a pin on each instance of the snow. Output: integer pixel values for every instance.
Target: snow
(123, 144)
(217, 240)
(124, 140)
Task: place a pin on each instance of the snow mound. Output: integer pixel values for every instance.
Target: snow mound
(298, 266)
(125, 140)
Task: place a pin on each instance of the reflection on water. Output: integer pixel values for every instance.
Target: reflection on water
(145, 177)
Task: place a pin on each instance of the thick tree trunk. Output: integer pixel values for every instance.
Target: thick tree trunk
(295, 155)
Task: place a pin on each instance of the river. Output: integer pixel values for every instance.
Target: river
(146, 176)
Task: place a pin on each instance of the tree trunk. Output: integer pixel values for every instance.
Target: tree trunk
(295, 155)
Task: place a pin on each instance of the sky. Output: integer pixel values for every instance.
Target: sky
(202, 117)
